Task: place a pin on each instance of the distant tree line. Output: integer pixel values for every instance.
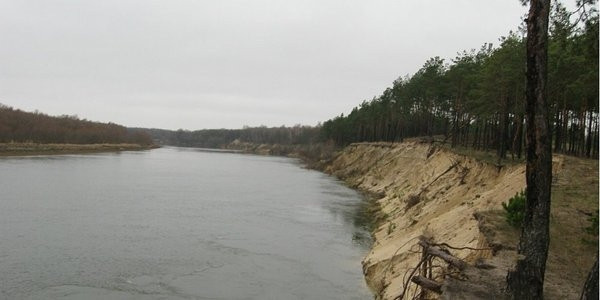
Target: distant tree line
(478, 100)
(218, 138)
(20, 126)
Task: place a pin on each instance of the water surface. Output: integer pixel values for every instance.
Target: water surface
(176, 223)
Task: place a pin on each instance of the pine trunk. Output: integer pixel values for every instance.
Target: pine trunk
(588, 146)
(557, 131)
(503, 136)
(526, 281)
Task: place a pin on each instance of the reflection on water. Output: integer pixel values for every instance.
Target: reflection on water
(188, 149)
(356, 214)
(177, 224)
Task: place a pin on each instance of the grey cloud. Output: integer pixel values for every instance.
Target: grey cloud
(201, 64)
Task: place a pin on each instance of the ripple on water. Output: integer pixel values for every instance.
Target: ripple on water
(177, 224)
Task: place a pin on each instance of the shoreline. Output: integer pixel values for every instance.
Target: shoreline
(32, 149)
(420, 190)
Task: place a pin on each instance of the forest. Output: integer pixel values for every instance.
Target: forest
(478, 99)
(219, 138)
(20, 126)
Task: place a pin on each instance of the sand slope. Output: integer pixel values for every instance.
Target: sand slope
(422, 190)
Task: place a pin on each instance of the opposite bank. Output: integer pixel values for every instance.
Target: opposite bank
(24, 149)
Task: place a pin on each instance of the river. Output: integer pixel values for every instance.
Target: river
(177, 223)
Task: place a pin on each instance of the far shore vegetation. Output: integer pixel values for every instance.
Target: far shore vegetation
(35, 133)
(22, 149)
(17, 126)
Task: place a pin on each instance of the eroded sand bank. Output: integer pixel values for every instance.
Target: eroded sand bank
(422, 190)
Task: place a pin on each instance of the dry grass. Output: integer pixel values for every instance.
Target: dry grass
(572, 250)
(489, 157)
(412, 200)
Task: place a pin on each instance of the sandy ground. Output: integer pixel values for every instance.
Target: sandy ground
(425, 191)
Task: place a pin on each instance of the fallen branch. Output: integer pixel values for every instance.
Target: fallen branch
(454, 164)
(452, 260)
(412, 274)
(462, 248)
(427, 284)
(422, 274)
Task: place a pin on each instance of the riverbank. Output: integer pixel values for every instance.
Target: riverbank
(422, 190)
(449, 198)
(26, 149)
(315, 156)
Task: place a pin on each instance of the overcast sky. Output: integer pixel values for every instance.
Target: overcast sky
(197, 64)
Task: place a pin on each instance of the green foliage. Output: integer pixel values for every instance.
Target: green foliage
(515, 209)
(477, 99)
(218, 138)
(593, 228)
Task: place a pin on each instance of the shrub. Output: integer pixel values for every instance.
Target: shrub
(412, 200)
(515, 209)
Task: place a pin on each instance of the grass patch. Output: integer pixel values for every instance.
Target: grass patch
(489, 157)
(593, 228)
(573, 244)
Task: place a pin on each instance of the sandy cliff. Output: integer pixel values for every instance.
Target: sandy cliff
(422, 190)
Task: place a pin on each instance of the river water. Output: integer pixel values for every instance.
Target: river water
(177, 223)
